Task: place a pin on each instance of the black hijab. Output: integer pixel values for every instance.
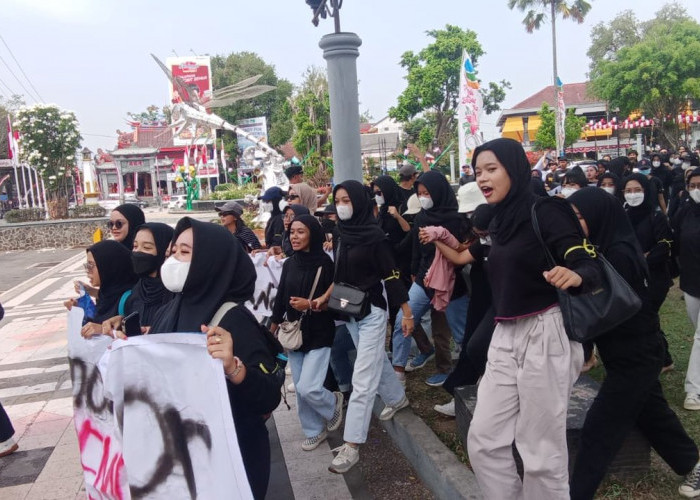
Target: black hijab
(135, 216)
(390, 190)
(113, 262)
(315, 256)
(298, 210)
(220, 272)
(150, 291)
(538, 187)
(514, 210)
(444, 210)
(362, 228)
(610, 229)
(646, 209)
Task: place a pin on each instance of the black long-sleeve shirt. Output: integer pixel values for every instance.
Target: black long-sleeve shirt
(366, 266)
(686, 226)
(274, 231)
(656, 237)
(317, 328)
(516, 268)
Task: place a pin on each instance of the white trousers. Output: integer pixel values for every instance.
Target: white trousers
(523, 397)
(692, 378)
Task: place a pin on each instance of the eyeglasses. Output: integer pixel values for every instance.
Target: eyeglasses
(224, 214)
(293, 196)
(89, 266)
(289, 216)
(115, 224)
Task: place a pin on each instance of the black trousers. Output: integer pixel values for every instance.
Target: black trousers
(473, 356)
(6, 429)
(631, 394)
(658, 290)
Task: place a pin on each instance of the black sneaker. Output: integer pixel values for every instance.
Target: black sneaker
(691, 486)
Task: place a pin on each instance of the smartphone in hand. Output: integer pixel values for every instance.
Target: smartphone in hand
(131, 325)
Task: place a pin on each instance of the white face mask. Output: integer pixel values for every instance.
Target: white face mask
(686, 165)
(425, 202)
(283, 204)
(656, 164)
(379, 199)
(267, 206)
(568, 191)
(634, 199)
(174, 273)
(344, 212)
(608, 189)
(676, 161)
(695, 195)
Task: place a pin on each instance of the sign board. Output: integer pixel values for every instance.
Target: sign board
(257, 127)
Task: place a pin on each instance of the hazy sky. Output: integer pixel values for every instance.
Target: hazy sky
(92, 56)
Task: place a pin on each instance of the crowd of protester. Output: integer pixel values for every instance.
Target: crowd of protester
(448, 276)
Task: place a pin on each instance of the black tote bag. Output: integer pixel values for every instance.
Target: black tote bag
(588, 315)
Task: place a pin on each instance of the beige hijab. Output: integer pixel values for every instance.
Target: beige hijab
(307, 196)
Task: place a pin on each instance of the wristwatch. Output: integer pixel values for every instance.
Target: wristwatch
(236, 370)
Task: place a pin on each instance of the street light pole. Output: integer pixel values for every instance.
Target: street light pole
(340, 50)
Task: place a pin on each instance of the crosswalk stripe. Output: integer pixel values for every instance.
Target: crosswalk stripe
(29, 293)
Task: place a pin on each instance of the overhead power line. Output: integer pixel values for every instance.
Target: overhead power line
(21, 69)
(18, 80)
(12, 92)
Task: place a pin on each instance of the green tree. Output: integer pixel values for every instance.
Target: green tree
(235, 67)
(546, 135)
(50, 140)
(311, 113)
(153, 115)
(537, 11)
(657, 75)
(433, 80)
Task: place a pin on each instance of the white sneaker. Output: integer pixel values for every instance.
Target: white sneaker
(390, 410)
(692, 402)
(7, 447)
(313, 442)
(346, 458)
(337, 418)
(291, 388)
(448, 409)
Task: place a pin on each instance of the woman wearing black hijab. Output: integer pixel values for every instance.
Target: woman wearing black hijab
(387, 195)
(532, 365)
(150, 246)
(632, 353)
(655, 237)
(274, 229)
(123, 223)
(320, 410)
(289, 213)
(110, 272)
(610, 183)
(209, 267)
(439, 208)
(363, 246)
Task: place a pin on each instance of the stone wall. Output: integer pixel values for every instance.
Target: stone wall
(51, 234)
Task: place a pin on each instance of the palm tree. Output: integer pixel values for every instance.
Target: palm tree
(536, 15)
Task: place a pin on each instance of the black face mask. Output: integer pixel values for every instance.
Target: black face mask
(328, 225)
(144, 263)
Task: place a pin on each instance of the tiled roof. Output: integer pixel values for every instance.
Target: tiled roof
(288, 151)
(575, 94)
(154, 137)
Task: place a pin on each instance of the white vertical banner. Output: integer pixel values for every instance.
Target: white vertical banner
(560, 129)
(469, 106)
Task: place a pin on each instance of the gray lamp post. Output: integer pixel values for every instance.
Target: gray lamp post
(340, 50)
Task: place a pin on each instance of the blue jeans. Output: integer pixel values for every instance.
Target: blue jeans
(419, 302)
(315, 404)
(372, 375)
(341, 358)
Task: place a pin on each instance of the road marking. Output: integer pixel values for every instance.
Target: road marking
(32, 291)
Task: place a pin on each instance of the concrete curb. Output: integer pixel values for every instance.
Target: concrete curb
(436, 465)
(22, 287)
